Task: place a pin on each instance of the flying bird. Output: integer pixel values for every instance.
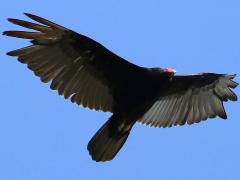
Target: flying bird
(85, 72)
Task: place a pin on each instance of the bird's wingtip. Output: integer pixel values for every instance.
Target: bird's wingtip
(231, 76)
(30, 15)
(27, 14)
(9, 53)
(5, 33)
(9, 19)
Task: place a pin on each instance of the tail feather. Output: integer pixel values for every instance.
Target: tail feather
(108, 140)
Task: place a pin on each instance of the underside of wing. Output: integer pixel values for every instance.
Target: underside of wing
(191, 99)
(78, 67)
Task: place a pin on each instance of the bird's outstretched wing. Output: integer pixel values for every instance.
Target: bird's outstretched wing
(191, 99)
(78, 67)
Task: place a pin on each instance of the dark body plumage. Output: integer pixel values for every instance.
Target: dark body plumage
(87, 73)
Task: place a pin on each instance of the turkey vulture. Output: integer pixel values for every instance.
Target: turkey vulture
(88, 74)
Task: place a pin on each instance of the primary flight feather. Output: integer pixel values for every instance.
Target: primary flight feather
(88, 74)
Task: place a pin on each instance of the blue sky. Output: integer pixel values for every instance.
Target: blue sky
(43, 136)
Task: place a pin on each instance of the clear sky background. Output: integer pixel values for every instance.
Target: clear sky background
(44, 137)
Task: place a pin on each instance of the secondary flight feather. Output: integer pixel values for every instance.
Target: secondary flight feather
(88, 74)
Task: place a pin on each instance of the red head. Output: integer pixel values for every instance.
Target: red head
(169, 70)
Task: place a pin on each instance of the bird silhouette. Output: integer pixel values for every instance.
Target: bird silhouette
(87, 73)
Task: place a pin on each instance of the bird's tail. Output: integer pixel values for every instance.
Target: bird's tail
(109, 139)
